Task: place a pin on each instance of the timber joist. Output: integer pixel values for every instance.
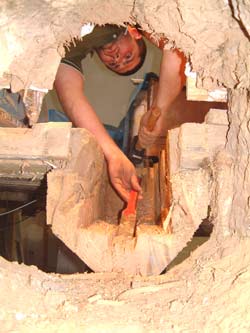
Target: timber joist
(84, 211)
(28, 154)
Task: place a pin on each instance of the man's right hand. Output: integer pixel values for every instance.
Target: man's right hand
(148, 138)
(123, 175)
(69, 85)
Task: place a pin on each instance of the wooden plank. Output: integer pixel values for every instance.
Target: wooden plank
(74, 208)
(173, 149)
(166, 208)
(162, 182)
(24, 169)
(43, 141)
(157, 202)
(192, 145)
(199, 142)
(217, 117)
(146, 207)
(201, 94)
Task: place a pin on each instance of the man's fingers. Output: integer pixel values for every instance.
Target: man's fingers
(125, 191)
(136, 186)
(135, 183)
(122, 192)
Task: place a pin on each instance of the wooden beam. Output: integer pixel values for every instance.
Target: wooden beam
(201, 94)
(43, 141)
(191, 145)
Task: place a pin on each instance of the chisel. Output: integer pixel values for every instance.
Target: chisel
(127, 224)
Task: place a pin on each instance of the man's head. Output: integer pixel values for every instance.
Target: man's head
(125, 55)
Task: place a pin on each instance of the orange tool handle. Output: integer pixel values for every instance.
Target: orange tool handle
(132, 202)
(131, 205)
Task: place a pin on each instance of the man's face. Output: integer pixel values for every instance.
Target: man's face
(121, 55)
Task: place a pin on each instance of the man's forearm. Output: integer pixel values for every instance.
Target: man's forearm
(83, 115)
(171, 78)
(69, 86)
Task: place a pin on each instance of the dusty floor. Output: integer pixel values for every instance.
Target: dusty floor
(206, 293)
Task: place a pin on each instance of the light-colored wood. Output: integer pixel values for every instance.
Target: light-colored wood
(201, 94)
(157, 201)
(43, 141)
(217, 117)
(146, 207)
(77, 192)
(162, 184)
(76, 203)
(194, 144)
(162, 178)
(165, 189)
(24, 169)
(74, 208)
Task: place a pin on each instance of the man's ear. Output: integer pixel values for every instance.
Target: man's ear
(134, 32)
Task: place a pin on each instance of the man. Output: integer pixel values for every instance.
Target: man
(122, 51)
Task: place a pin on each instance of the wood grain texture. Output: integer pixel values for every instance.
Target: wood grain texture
(201, 94)
(44, 140)
(74, 209)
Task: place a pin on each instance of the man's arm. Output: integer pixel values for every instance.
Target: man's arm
(171, 81)
(171, 78)
(69, 85)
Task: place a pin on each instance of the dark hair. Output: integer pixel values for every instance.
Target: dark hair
(143, 51)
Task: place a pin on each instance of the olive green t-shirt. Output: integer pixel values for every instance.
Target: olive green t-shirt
(78, 49)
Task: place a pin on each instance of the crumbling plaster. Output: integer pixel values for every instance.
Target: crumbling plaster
(32, 35)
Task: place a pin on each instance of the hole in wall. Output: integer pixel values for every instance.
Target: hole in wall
(104, 101)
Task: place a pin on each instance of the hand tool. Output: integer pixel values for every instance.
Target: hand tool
(137, 152)
(127, 224)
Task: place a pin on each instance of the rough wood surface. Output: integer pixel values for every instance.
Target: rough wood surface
(43, 141)
(75, 193)
(201, 94)
(75, 207)
(193, 145)
(24, 168)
